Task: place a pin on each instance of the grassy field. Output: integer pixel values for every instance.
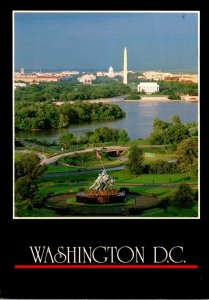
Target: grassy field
(18, 156)
(65, 184)
(170, 212)
(158, 191)
(35, 212)
(159, 156)
(125, 176)
(59, 168)
(73, 183)
(59, 188)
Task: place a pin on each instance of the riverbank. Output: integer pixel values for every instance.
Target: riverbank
(138, 121)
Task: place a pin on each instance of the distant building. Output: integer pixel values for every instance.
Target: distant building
(19, 84)
(148, 87)
(36, 77)
(154, 75)
(111, 73)
(87, 78)
(100, 74)
(69, 73)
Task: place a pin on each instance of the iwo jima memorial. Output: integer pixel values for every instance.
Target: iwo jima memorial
(102, 191)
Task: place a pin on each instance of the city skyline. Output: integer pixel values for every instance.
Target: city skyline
(94, 41)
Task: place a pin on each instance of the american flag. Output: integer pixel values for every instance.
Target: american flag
(98, 155)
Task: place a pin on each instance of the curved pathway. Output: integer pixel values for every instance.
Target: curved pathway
(50, 160)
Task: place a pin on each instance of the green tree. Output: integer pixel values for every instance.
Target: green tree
(135, 160)
(174, 134)
(159, 124)
(187, 152)
(134, 96)
(28, 165)
(66, 140)
(165, 203)
(173, 96)
(175, 120)
(27, 169)
(123, 137)
(183, 197)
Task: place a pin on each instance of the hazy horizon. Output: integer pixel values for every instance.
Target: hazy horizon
(102, 70)
(95, 41)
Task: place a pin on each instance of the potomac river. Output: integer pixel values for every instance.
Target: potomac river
(138, 121)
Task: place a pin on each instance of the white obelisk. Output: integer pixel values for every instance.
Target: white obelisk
(125, 70)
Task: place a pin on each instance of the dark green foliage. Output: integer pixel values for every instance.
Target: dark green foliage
(27, 169)
(24, 189)
(37, 115)
(135, 211)
(174, 88)
(175, 120)
(187, 152)
(77, 160)
(159, 124)
(168, 133)
(123, 136)
(42, 143)
(165, 203)
(135, 160)
(105, 134)
(134, 96)
(160, 167)
(173, 96)
(184, 197)
(67, 139)
(63, 91)
(18, 143)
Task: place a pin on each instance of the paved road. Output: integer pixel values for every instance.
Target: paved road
(47, 161)
(50, 160)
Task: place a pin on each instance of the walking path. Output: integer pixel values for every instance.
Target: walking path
(50, 160)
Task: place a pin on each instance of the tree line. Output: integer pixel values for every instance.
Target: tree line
(171, 132)
(95, 137)
(65, 91)
(46, 115)
(183, 138)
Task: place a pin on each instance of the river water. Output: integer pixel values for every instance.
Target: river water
(138, 121)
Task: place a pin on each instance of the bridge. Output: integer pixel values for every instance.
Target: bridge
(190, 98)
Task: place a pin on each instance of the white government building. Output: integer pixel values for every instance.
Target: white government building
(148, 87)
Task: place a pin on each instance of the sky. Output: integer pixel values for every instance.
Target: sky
(95, 41)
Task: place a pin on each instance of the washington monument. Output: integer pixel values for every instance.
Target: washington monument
(125, 71)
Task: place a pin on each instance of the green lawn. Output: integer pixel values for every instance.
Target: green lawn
(125, 176)
(63, 184)
(53, 168)
(35, 212)
(18, 155)
(171, 212)
(158, 191)
(59, 188)
(160, 156)
(87, 163)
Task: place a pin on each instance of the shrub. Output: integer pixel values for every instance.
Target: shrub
(183, 197)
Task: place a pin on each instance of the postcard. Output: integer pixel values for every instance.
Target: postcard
(105, 168)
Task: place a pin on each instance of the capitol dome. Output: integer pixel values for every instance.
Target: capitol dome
(110, 69)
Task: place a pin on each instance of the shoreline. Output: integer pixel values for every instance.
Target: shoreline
(122, 99)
